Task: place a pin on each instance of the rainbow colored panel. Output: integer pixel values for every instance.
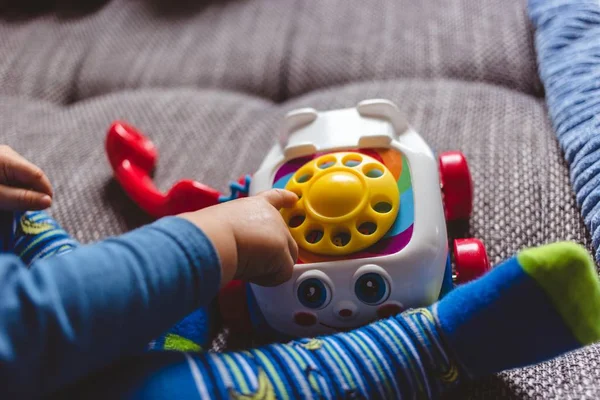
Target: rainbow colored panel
(399, 234)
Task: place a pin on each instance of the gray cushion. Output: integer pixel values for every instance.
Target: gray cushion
(271, 49)
(210, 82)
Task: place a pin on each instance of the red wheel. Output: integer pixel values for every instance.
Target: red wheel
(457, 185)
(471, 260)
(233, 307)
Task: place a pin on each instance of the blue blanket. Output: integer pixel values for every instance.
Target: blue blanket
(567, 40)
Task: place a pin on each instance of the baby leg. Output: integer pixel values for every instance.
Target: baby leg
(533, 307)
(33, 235)
(38, 235)
(192, 334)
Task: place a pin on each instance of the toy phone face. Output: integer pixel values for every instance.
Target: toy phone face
(344, 293)
(342, 300)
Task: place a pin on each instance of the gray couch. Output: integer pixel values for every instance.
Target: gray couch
(209, 82)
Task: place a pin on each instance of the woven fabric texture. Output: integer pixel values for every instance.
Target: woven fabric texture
(209, 82)
(271, 48)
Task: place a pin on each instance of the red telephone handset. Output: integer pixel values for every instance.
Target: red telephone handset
(133, 158)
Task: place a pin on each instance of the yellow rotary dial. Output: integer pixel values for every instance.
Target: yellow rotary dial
(348, 201)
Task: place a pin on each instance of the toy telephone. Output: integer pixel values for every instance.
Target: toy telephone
(370, 222)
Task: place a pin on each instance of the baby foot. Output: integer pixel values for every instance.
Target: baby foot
(533, 307)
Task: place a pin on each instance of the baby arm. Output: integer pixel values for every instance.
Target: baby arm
(73, 314)
(80, 311)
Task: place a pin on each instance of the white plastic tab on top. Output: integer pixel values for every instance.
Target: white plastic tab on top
(373, 123)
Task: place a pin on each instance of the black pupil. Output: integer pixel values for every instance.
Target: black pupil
(370, 288)
(312, 293)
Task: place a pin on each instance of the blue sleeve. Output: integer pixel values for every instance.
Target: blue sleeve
(75, 313)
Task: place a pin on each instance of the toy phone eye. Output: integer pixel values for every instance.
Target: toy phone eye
(371, 288)
(314, 293)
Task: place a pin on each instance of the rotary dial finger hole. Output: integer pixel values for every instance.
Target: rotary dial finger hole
(326, 162)
(352, 160)
(373, 171)
(367, 228)
(314, 235)
(296, 220)
(341, 238)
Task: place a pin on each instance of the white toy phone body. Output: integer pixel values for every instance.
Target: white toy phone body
(405, 271)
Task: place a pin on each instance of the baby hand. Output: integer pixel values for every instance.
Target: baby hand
(251, 237)
(23, 186)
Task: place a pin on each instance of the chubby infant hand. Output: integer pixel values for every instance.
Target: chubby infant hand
(23, 185)
(251, 237)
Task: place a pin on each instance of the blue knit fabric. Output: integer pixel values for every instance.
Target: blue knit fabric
(504, 320)
(567, 40)
(35, 235)
(507, 293)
